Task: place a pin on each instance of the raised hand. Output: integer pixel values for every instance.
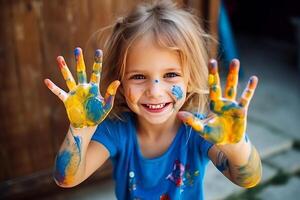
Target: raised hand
(228, 125)
(84, 104)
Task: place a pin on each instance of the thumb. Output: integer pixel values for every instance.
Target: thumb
(110, 94)
(191, 120)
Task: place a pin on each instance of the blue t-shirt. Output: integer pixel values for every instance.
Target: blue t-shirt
(177, 174)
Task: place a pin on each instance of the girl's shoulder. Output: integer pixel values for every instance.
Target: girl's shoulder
(113, 132)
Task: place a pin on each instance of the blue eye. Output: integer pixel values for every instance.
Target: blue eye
(171, 75)
(137, 77)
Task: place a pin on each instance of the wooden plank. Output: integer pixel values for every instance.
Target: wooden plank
(8, 83)
(12, 126)
(214, 9)
(27, 52)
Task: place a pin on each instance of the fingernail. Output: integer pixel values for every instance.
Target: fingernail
(234, 65)
(98, 56)
(77, 51)
(252, 81)
(98, 53)
(47, 82)
(213, 66)
(213, 63)
(61, 62)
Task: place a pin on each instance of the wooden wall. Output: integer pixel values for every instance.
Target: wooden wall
(32, 34)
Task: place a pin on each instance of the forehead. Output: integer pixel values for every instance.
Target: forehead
(146, 54)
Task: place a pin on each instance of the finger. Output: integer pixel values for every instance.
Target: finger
(97, 67)
(191, 120)
(80, 66)
(66, 73)
(110, 95)
(248, 92)
(215, 92)
(62, 95)
(232, 80)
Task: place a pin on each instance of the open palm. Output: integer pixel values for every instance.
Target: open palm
(228, 124)
(84, 104)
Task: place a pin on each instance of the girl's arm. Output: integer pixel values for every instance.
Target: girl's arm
(239, 162)
(78, 156)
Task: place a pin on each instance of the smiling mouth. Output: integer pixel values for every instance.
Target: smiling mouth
(155, 107)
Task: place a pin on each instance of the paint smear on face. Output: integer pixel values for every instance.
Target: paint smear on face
(131, 96)
(177, 92)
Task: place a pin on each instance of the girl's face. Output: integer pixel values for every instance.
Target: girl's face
(154, 87)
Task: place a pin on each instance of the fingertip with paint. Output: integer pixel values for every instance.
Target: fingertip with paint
(98, 53)
(254, 78)
(98, 56)
(61, 62)
(77, 51)
(113, 87)
(253, 81)
(235, 61)
(234, 64)
(47, 83)
(213, 65)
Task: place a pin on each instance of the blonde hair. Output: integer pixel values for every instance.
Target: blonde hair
(173, 28)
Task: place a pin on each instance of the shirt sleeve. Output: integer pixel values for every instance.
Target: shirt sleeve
(107, 134)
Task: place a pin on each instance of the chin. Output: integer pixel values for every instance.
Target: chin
(155, 120)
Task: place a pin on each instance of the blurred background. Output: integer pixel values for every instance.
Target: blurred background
(264, 35)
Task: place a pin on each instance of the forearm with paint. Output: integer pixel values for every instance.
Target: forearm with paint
(241, 161)
(70, 160)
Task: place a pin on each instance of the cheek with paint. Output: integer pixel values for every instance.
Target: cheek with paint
(177, 92)
(132, 95)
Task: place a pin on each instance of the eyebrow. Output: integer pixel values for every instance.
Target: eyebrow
(167, 69)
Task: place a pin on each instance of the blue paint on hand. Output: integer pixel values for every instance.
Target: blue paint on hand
(223, 166)
(81, 77)
(94, 109)
(98, 55)
(94, 90)
(77, 51)
(177, 92)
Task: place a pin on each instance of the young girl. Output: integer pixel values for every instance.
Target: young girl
(164, 127)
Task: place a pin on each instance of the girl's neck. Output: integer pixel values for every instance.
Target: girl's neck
(156, 131)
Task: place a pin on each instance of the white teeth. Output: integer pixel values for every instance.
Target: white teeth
(156, 106)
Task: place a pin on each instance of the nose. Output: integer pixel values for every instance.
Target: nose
(154, 88)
